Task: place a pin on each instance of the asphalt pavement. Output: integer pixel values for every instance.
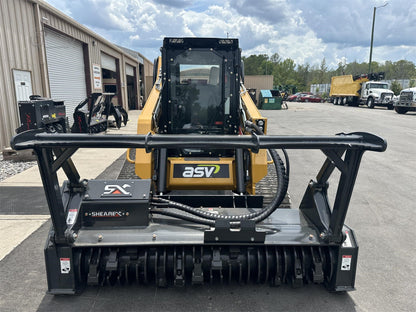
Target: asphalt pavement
(23, 205)
(381, 213)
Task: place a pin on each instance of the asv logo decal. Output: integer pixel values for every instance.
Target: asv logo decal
(201, 171)
(213, 171)
(118, 190)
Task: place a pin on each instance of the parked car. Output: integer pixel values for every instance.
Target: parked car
(310, 98)
(294, 97)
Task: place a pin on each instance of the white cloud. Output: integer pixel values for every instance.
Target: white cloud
(303, 30)
(135, 37)
(306, 48)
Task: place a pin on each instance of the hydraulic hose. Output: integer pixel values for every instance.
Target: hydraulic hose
(178, 215)
(260, 132)
(204, 217)
(255, 216)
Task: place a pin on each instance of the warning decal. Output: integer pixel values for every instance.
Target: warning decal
(65, 265)
(72, 214)
(346, 263)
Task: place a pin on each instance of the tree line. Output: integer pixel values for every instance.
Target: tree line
(287, 73)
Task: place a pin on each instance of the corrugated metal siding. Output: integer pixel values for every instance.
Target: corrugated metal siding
(94, 50)
(261, 82)
(148, 68)
(57, 23)
(148, 72)
(96, 46)
(258, 82)
(18, 50)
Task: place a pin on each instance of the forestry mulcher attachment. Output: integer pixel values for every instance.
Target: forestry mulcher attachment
(194, 215)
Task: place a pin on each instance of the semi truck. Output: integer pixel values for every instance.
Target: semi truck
(406, 102)
(367, 89)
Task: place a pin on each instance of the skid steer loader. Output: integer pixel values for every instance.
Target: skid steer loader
(194, 216)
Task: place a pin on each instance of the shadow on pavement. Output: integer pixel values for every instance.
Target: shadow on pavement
(203, 298)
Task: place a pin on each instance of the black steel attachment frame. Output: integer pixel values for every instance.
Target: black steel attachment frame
(54, 152)
(352, 141)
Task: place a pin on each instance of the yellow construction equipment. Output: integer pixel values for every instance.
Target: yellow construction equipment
(177, 110)
(194, 215)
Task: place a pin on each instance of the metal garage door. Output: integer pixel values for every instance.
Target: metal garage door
(108, 62)
(66, 70)
(129, 70)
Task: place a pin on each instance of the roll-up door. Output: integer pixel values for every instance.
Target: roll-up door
(108, 62)
(111, 77)
(131, 87)
(66, 69)
(129, 70)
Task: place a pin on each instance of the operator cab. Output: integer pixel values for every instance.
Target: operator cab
(196, 93)
(200, 92)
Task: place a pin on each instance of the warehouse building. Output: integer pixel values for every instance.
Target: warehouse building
(258, 82)
(47, 53)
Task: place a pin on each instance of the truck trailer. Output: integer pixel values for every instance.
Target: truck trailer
(365, 89)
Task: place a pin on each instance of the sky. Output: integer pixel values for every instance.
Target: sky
(304, 30)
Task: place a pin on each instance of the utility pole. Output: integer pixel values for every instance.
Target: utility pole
(372, 35)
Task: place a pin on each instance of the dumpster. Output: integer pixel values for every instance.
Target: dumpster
(270, 99)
